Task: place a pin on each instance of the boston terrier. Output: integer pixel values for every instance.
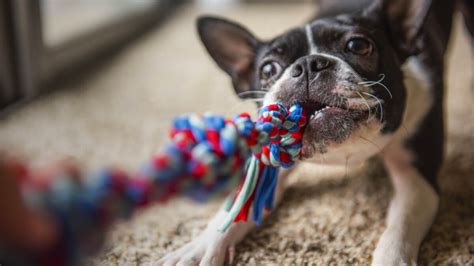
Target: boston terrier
(371, 76)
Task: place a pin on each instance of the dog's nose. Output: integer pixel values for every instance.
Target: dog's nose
(310, 64)
(296, 71)
(317, 63)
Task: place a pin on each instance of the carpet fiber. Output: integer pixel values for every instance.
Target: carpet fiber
(119, 115)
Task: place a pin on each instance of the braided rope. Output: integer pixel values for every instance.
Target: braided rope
(207, 156)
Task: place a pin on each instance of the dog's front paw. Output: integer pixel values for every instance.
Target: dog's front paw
(391, 250)
(210, 248)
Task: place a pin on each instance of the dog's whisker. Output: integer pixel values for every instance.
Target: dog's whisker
(406, 130)
(254, 100)
(373, 143)
(251, 98)
(245, 93)
(379, 103)
(368, 106)
(257, 98)
(382, 77)
(370, 83)
(386, 88)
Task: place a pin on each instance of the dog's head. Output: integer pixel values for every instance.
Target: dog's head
(345, 70)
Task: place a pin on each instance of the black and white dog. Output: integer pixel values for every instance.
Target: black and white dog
(372, 76)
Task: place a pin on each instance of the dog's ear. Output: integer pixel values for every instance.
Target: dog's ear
(405, 20)
(232, 47)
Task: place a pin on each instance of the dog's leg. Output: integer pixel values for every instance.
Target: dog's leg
(411, 212)
(211, 247)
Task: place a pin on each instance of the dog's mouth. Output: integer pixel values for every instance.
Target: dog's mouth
(320, 110)
(317, 111)
(333, 123)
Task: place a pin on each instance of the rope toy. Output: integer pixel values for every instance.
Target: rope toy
(207, 155)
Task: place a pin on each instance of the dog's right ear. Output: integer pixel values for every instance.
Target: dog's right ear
(232, 47)
(405, 19)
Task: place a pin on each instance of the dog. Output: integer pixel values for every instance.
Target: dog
(371, 76)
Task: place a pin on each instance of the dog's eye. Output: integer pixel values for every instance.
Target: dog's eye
(359, 46)
(269, 70)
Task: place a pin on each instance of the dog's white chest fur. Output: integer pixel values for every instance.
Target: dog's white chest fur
(419, 98)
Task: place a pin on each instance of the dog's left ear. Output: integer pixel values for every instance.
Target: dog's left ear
(405, 20)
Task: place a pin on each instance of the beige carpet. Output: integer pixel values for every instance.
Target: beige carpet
(120, 115)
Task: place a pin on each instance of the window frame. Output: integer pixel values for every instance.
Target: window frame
(37, 66)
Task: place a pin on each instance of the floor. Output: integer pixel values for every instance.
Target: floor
(119, 115)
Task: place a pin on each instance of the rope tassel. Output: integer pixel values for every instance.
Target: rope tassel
(278, 131)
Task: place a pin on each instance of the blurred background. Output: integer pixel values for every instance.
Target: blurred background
(100, 80)
(115, 72)
(44, 40)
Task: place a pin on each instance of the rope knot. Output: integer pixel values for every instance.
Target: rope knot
(280, 134)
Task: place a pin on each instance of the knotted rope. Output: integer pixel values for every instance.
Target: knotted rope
(207, 155)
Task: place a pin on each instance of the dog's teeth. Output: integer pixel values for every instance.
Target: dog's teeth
(319, 113)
